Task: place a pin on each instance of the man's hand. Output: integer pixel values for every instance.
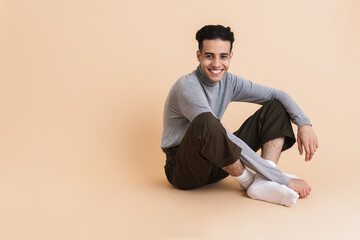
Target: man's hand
(307, 140)
(300, 186)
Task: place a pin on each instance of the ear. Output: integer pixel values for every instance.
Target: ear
(198, 54)
(231, 54)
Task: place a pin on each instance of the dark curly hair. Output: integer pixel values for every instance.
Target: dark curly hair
(211, 32)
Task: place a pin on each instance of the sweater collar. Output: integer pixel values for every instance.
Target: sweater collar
(204, 79)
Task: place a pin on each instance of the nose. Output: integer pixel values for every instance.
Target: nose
(216, 62)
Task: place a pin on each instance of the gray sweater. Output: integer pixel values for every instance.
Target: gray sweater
(194, 93)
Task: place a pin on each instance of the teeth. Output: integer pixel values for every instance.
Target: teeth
(215, 71)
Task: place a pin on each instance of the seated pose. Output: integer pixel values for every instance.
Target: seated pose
(200, 150)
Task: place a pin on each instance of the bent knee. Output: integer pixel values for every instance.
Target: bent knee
(275, 104)
(206, 123)
(206, 118)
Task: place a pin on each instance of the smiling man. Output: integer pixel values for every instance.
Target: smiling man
(200, 150)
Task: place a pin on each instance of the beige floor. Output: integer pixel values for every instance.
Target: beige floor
(82, 89)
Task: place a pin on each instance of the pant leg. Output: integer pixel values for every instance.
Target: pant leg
(204, 150)
(271, 121)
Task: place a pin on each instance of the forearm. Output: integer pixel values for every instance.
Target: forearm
(247, 91)
(297, 116)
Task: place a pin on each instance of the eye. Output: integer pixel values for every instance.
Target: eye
(209, 56)
(224, 57)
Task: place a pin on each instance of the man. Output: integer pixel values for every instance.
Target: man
(200, 150)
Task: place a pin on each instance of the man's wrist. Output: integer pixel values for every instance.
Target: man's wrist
(305, 125)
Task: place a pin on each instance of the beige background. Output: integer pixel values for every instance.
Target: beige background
(82, 88)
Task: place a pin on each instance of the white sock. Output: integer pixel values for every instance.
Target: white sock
(271, 163)
(245, 179)
(287, 174)
(263, 189)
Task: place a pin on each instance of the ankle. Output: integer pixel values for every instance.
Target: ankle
(272, 163)
(236, 169)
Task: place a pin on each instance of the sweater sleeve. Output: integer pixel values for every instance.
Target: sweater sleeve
(191, 100)
(247, 91)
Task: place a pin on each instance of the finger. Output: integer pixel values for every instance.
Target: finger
(300, 146)
(312, 151)
(307, 151)
(316, 144)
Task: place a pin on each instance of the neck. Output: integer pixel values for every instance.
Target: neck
(204, 79)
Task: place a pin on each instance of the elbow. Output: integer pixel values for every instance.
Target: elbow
(280, 95)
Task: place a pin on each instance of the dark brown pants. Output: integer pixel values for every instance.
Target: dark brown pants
(206, 149)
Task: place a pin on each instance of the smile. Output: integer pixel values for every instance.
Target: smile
(216, 71)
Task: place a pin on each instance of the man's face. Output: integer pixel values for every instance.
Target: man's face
(215, 58)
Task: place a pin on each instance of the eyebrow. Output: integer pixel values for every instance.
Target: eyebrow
(214, 54)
